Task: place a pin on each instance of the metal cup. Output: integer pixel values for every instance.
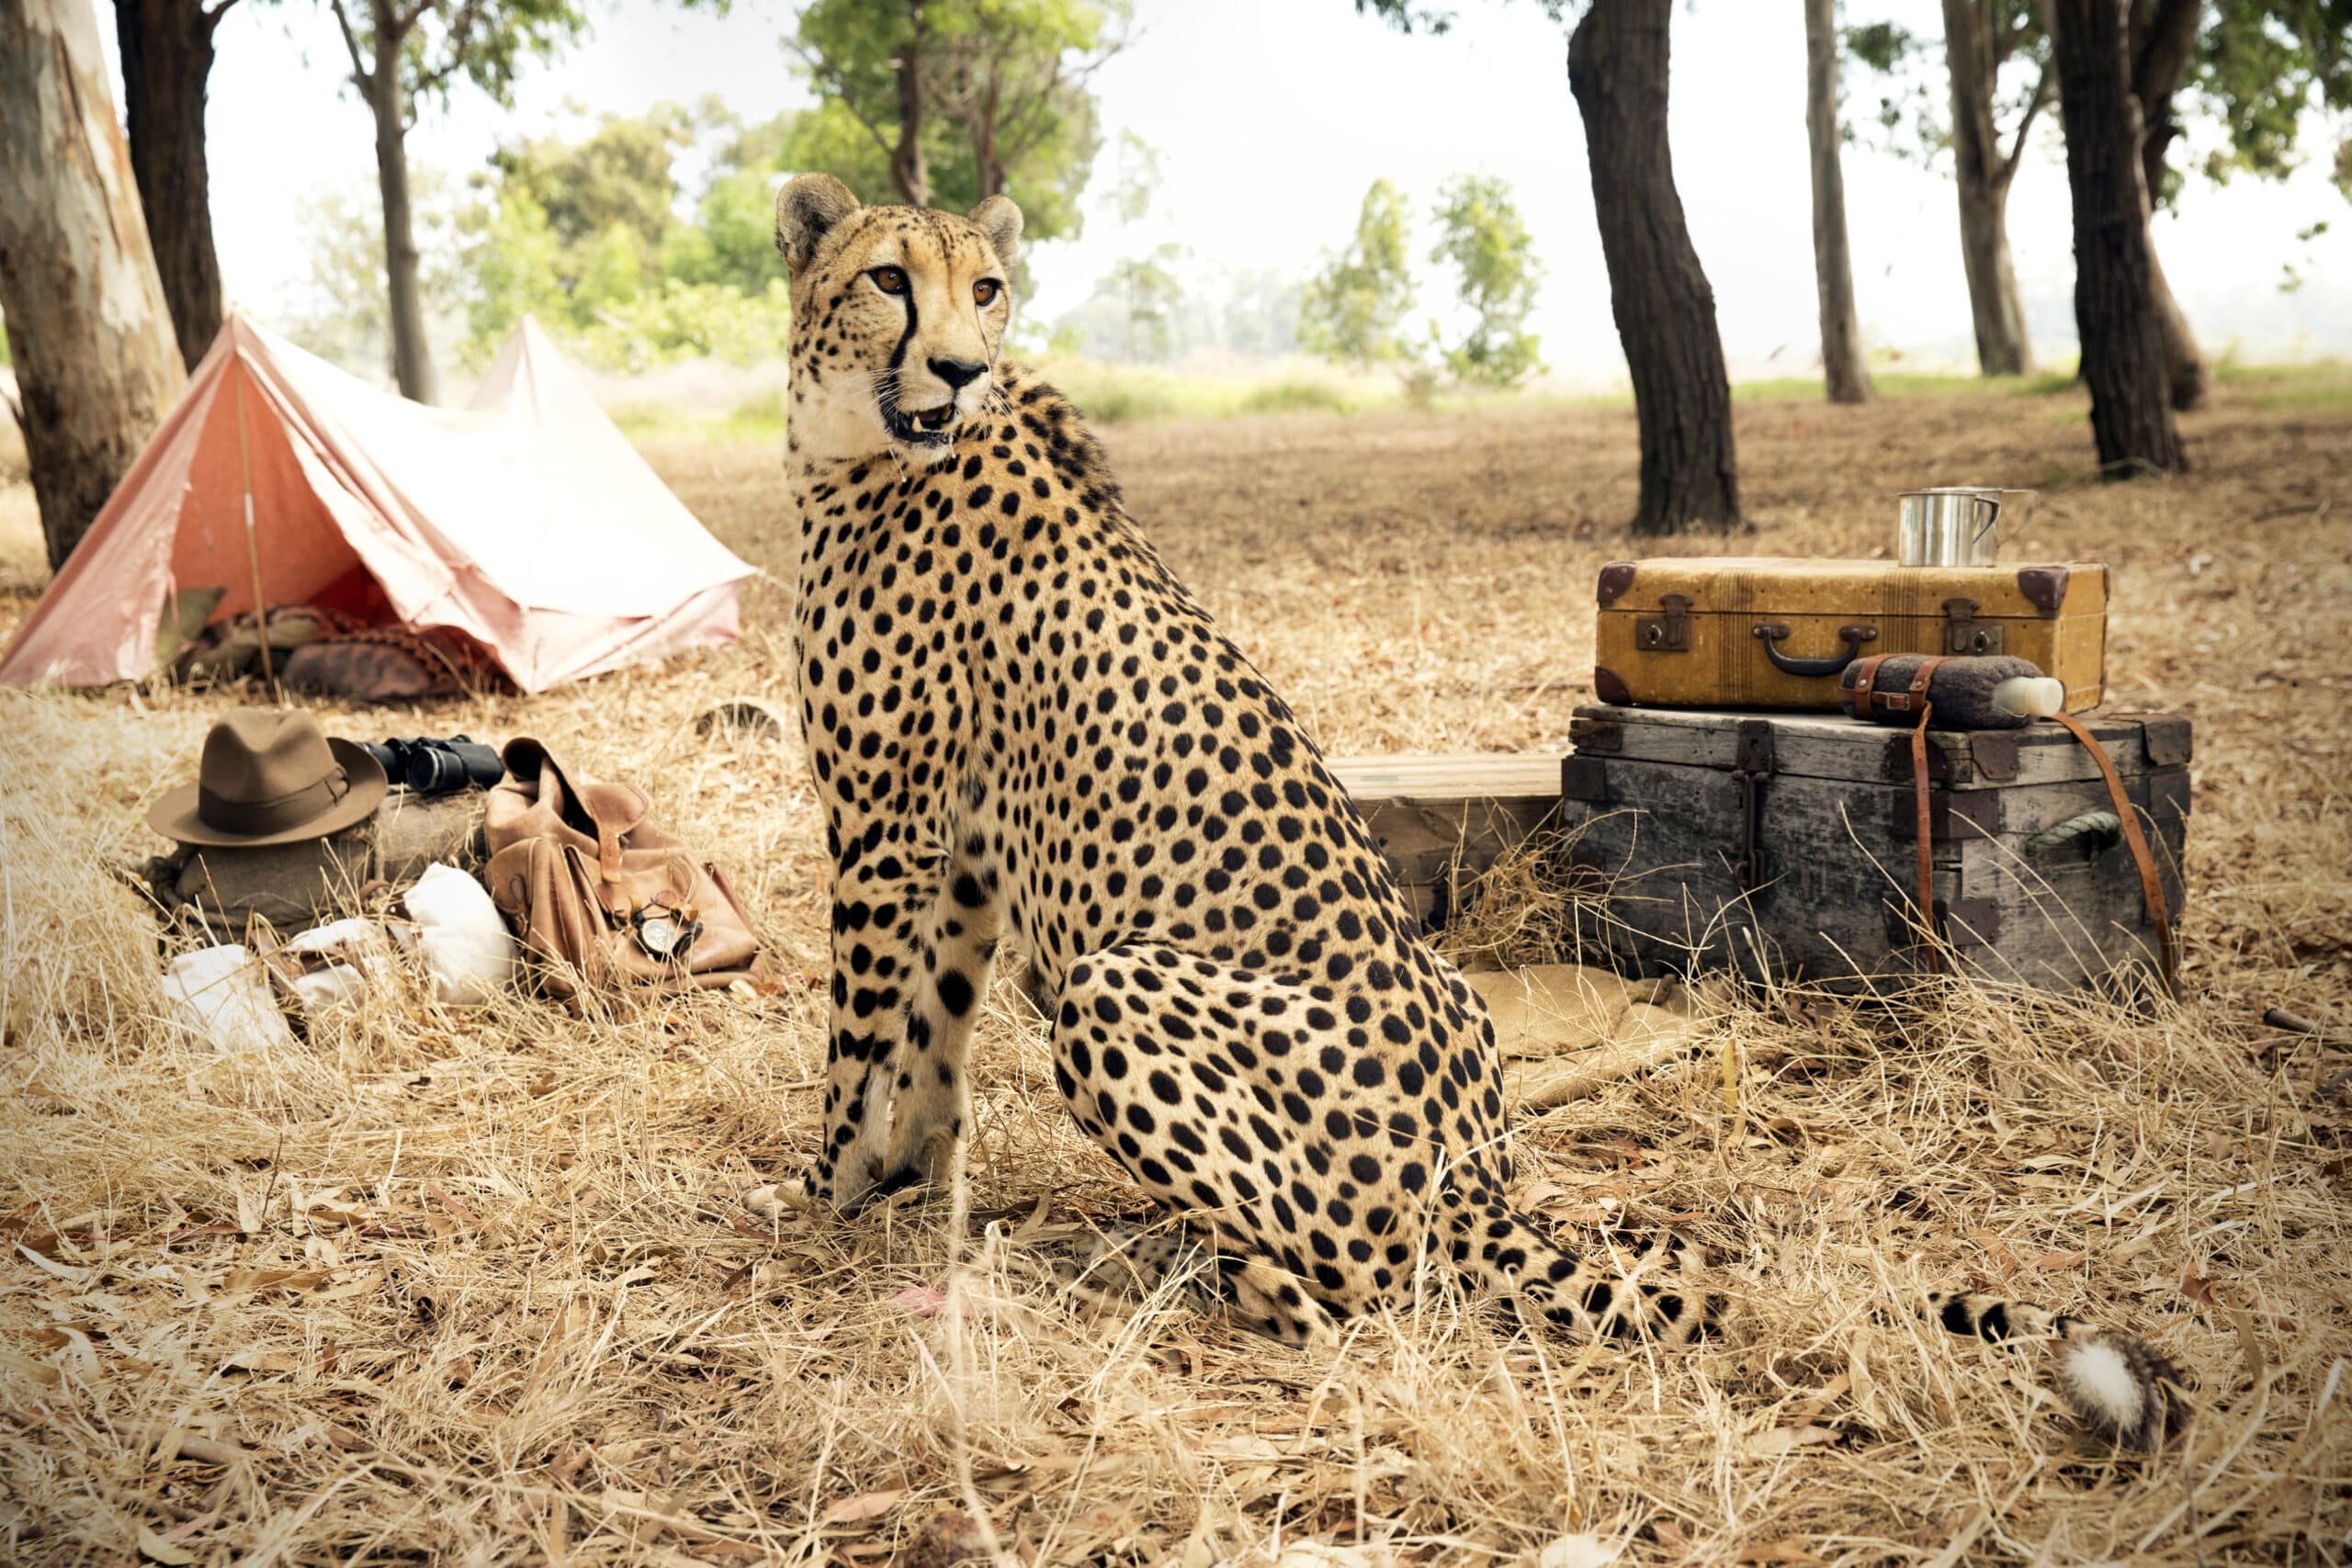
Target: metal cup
(1952, 525)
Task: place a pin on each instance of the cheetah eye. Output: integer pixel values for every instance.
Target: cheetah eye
(889, 279)
(985, 290)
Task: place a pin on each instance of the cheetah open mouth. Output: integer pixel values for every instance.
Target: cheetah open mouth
(922, 427)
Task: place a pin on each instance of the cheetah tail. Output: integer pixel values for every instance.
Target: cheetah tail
(2122, 1387)
(1499, 1249)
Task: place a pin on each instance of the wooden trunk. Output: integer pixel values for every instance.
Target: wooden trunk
(1782, 846)
(1440, 821)
(1720, 632)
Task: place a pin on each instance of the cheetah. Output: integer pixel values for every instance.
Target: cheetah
(1022, 727)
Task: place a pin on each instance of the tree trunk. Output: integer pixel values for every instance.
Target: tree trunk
(985, 159)
(2124, 356)
(1664, 311)
(411, 354)
(88, 330)
(909, 169)
(2162, 44)
(166, 59)
(2187, 376)
(1982, 173)
(1833, 264)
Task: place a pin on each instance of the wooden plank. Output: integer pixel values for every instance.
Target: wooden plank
(1831, 746)
(1440, 820)
(1458, 775)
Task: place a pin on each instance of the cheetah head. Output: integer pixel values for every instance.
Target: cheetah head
(896, 316)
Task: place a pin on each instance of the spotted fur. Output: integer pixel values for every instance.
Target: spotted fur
(1022, 724)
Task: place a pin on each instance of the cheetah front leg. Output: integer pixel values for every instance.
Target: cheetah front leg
(878, 901)
(927, 1110)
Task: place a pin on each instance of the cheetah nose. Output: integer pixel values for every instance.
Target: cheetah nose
(957, 373)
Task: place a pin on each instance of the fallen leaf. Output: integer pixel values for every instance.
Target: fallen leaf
(1668, 1534)
(1787, 1439)
(157, 1549)
(919, 1300)
(864, 1505)
(1578, 1551)
(1775, 1551)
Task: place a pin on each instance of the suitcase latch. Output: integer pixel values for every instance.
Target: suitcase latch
(1669, 631)
(1753, 763)
(1964, 634)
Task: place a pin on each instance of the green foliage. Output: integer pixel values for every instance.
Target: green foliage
(341, 310)
(586, 235)
(620, 176)
(1914, 115)
(481, 41)
(515, 267)
(1138, 181)
(1482, 234)
(2263, 68)
(1002, 86)
(1353, 309)
(1147, 287)
(1298, 397)
(676, 321)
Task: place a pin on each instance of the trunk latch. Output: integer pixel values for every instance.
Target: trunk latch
(1669, 631)
(1964, 634)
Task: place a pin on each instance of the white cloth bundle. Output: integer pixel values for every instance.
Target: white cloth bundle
(360, 958)
(459, 935)
(219, 995)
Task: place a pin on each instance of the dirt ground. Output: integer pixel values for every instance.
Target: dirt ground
(481, 1287)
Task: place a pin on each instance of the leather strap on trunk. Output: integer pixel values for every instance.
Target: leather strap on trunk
(1921, 801)
(2152, 886)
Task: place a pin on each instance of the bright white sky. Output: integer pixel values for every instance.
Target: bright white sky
(1274, 115)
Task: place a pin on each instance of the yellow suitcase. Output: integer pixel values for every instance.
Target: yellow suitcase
(1725, 632)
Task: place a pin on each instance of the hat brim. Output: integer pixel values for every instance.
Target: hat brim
(176, 815)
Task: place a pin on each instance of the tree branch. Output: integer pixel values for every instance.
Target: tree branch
(818, 70)
(2160, 55)
(459, 43)
(2043, 91)
(351, 46)
(212, 17)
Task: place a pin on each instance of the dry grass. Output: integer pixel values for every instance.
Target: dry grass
(479, 1289)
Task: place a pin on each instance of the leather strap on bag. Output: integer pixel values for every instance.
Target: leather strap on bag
(2152, 886)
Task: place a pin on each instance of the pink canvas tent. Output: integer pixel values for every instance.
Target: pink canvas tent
(525, 520)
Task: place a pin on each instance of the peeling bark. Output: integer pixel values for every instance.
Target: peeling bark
(97, 364)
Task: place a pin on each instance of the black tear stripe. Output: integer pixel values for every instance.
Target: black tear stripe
(898, 355)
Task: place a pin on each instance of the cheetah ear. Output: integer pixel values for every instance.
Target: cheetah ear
(806, 210)
(1000, 221)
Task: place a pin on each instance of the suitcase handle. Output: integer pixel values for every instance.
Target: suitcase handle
(1853, 637)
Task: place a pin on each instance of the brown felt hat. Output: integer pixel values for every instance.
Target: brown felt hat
(271, 777)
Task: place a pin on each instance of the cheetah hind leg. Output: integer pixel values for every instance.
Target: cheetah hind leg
(1128, 1265)
(2123, 1389)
